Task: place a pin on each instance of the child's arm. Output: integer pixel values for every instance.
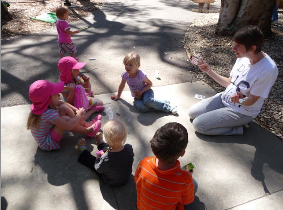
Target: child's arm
(69, 124)
(70, 96)
(120, 90)
(68, 31)
(87, 84)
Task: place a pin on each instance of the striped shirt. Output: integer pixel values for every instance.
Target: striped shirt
(157, 189)
(42, 134)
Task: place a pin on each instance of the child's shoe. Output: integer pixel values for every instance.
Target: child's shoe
(96, 126)
(98, 117)
(174, 111)
(167, 101)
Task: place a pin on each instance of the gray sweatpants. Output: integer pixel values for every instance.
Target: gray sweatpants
(211, 117)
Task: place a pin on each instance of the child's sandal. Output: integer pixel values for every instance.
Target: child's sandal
(96, 126)
(98, 117)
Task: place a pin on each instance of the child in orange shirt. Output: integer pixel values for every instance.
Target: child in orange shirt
(160, 181)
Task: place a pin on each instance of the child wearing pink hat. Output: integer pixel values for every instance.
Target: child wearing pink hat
(50, 117)
(78, 89)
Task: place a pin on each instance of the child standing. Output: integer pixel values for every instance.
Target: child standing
(160, 182)
(49, 117)
(66, 44)
(78, 89)
(115, 165)
(140, 87)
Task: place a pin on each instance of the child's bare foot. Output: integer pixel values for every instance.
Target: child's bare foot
(81, 145)
(99, 138)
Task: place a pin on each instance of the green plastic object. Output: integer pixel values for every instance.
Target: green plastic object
(83, 28)
(191, 166)
(46, 17)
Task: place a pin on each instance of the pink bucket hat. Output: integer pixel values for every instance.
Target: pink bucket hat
(40, 92)
(65, 65)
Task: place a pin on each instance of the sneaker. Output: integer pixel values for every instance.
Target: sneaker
(167, 102)
(174, 111)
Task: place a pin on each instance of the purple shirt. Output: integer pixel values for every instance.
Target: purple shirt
(62, 26)
(136, 83)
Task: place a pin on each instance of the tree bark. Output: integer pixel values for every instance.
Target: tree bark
(235, 14)
(5, 15)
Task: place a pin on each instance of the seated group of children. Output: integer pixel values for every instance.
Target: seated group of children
(50, 117)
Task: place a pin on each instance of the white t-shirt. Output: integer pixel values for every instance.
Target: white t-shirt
(246, 78)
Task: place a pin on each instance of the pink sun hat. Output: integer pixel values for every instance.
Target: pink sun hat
(40, 92)
(65, 65)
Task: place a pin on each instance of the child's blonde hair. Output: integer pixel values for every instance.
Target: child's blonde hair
(33, 120)
(60, 11)
(133, 56)
(115, 133)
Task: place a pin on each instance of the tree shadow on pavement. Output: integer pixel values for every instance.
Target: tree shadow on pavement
(61, 167)
(268, 150)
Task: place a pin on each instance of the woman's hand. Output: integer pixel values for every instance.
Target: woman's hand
(236, 97)
(203, 66)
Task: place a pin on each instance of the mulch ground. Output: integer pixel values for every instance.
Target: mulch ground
(217, 52)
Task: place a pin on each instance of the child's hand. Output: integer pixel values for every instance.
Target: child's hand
(115, 98)
(188, 169)
(81, 112)
(99, 153)
(71, 87)
(76, 32)
(138, 94)
(85, 77)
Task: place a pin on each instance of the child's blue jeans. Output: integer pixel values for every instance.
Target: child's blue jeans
(148, 103)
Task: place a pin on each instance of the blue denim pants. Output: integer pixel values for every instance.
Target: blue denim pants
(148, 103)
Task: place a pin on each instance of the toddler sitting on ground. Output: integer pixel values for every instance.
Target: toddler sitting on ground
(115, 165)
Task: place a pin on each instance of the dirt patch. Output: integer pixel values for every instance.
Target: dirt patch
(217, 52)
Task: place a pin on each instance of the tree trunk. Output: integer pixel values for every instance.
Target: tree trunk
(5, 15)
(235, 14)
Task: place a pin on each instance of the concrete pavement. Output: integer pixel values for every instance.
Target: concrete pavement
(233, 172)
